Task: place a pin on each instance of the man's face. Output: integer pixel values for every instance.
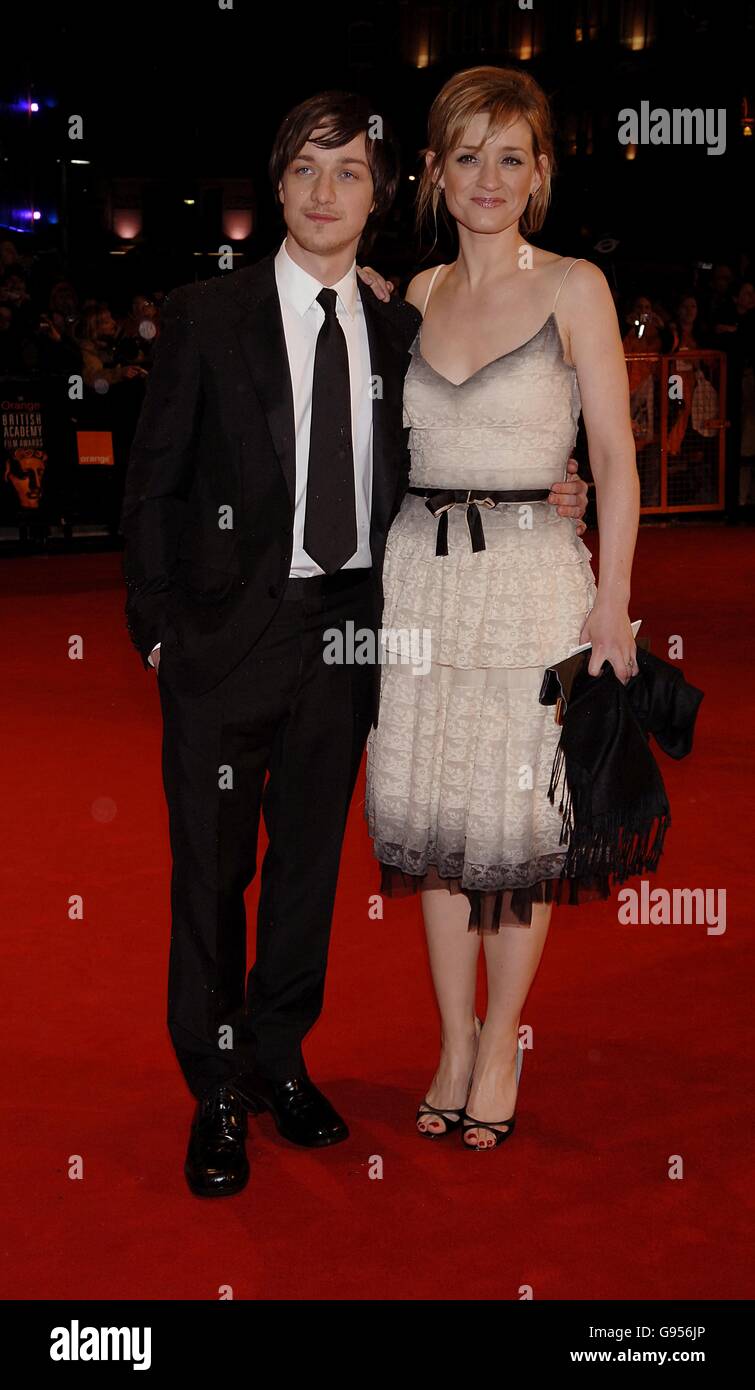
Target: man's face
(721, 278)
(327, 195)
(63, 298)
(15, 289)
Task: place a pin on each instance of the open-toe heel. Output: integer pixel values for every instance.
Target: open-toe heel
(445, 1115)
(468, 1123)
(451, 1115)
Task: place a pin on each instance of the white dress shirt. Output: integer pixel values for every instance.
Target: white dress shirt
(302, 319)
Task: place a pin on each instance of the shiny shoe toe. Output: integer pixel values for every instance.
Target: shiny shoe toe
(302, 1114)
(216, 1163)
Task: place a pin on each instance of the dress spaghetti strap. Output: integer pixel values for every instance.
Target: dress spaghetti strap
(566, 272)
(430, 288)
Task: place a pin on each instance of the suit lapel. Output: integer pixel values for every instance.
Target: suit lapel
(263, 344)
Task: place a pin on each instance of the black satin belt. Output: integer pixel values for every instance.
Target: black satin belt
(441, 500)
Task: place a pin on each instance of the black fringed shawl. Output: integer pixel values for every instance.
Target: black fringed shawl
(613, 802)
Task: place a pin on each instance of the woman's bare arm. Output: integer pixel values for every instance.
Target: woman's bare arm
(596, 349)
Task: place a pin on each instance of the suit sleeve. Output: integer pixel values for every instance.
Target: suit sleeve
(412, 319)
(159, 475)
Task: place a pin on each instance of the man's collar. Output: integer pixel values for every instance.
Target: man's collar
(301, 289)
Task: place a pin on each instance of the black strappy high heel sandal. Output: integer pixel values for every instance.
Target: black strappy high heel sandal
(443, 1111)
(498, 1134)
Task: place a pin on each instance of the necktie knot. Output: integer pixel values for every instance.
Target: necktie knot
(328, 299)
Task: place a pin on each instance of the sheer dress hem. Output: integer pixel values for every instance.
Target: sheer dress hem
(490, 909)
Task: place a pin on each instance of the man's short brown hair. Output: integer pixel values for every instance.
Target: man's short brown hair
(342, 115)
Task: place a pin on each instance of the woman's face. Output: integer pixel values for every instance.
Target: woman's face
(688, 310)
(641, 313)
(105, 324)
(487, 189)
(746, 297)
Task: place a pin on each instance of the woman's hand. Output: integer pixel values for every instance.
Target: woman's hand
(380, 287)
(610, 631)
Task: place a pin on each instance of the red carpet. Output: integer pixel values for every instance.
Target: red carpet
(642, 1035)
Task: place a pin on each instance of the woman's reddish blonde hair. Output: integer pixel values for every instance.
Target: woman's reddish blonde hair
(505, 95)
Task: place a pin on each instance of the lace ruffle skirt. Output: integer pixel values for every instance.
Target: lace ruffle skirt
(459, 765)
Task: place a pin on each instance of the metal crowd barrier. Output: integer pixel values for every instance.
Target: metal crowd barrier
(678, 408)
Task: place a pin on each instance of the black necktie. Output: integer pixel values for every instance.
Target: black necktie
(330, 518)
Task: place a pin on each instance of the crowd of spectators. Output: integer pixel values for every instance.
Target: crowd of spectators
(58, 333)
(719, 318)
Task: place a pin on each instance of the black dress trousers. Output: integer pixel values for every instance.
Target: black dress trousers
(283, 733)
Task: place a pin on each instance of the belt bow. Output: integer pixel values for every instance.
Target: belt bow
(440, 503)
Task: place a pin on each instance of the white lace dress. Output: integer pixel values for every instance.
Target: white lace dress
(459, 764)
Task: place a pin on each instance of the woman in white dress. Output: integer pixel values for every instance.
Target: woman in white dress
(514, 341)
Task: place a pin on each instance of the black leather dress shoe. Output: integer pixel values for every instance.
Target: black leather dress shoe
(302, 1114)
(216, 1162)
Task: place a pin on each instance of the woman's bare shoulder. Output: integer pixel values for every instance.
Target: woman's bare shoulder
(419, 286)
(586, 314)
(584, 272)
(584, 285)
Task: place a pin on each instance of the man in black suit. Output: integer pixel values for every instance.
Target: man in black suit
(269, 462)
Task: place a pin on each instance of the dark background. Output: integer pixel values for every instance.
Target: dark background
(177, 97)
(180, 105)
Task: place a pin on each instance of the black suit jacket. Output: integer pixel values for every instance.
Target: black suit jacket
(208, 508)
